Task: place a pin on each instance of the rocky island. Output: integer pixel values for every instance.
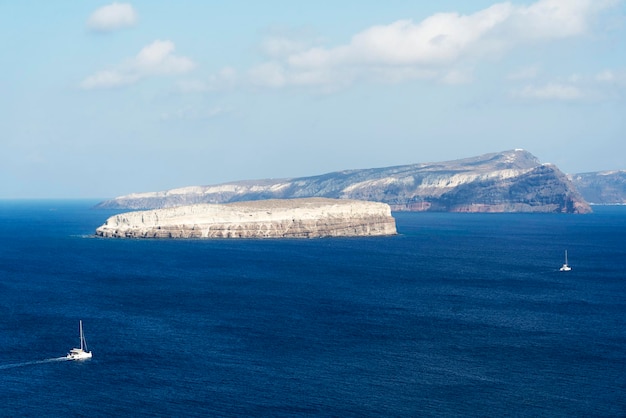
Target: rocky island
(276, 218)
(509, 181)
(602, 187)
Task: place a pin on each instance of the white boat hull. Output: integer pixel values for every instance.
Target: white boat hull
(78, 354)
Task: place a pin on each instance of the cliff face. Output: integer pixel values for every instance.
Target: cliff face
(510, 181)
(541, 189)
(603, 187)
(297, 218)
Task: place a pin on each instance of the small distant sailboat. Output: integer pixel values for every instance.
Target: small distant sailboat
(565, 266)
(80, 353)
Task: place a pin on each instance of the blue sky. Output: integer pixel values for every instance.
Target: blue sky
(102, 99)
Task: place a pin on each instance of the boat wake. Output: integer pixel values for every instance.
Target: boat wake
(30, 363)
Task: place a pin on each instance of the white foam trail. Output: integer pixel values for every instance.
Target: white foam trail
(30, 363)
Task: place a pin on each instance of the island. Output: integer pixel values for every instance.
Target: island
(273, 218)
(602, 187)
(508, 181)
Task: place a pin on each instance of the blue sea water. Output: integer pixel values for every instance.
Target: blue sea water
(458, 315)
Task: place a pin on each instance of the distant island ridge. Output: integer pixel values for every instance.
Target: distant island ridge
(508, 181)
(602, 187)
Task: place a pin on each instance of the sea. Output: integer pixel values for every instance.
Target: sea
(457, 315)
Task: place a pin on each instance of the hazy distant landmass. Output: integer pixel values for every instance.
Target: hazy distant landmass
(287, 218)
(603, 187)
(509, 181)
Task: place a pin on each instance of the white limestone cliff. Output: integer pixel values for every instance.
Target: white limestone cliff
(288, 218)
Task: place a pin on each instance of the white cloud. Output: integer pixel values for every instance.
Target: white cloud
(111, 17)
(612, 77)
(108, 79)
(269, 74)
(525, 73)
(606, 85)
(440, 39)
(434, 47)
(551, 19)
(606, 76)
(280, 46)
(456, 77)
(396, 75)
(224, 79)
(280, 42)
(550, 91)
(193, 113)
(158, 58)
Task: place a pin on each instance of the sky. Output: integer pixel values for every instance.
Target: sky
(102, 99)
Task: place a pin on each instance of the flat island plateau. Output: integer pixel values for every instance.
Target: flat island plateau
(273, 218)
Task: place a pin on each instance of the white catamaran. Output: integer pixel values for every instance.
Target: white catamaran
(565, 266)
(80, 353)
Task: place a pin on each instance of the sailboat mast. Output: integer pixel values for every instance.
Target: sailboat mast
(80, 327)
